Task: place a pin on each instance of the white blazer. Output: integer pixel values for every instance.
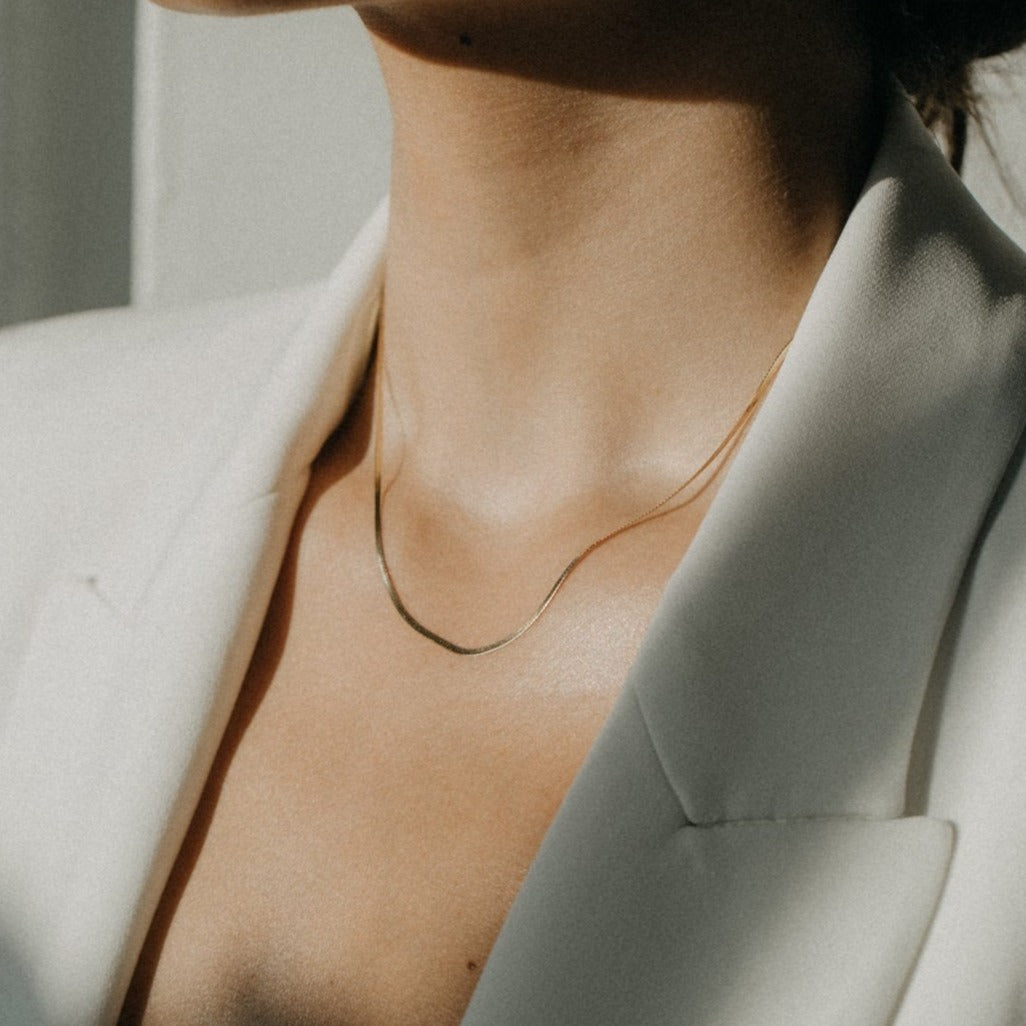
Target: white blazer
(808, 807)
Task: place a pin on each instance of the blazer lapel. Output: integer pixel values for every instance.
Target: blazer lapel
(129, 682)
(786, 668)
(632, 916)
(728, 853)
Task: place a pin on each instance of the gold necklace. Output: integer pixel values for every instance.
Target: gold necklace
(452, 646)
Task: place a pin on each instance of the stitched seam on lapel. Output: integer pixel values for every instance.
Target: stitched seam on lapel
(726, 824)
(928, 932)
(688, 821)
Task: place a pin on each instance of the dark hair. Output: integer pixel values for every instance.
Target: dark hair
(930, 45)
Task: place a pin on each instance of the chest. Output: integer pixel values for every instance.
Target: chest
(353, 861)
(377, 801)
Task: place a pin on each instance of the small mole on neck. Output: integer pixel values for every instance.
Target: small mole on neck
(471, 966)
(465, 39)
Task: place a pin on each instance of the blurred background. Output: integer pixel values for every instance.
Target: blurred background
(156, 158)
(161, 158)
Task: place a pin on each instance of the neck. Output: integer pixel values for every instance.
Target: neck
(605, 224)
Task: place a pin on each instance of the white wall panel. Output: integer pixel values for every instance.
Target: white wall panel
(261, 144)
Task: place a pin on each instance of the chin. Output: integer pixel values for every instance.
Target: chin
(243, 6)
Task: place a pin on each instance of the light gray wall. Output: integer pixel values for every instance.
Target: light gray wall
(65, 155)
(998, 178)
(261, 145)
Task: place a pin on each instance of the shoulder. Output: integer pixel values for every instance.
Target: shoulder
(95, 356)
(87, 379)
(76, 379)
(107, 410)
(112, 422)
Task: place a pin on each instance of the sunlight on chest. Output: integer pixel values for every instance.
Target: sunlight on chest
(363, 847)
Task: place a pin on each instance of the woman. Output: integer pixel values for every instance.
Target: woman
(250, 772)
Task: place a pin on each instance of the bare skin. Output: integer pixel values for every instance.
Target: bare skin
(378, 800)
(607, 220)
